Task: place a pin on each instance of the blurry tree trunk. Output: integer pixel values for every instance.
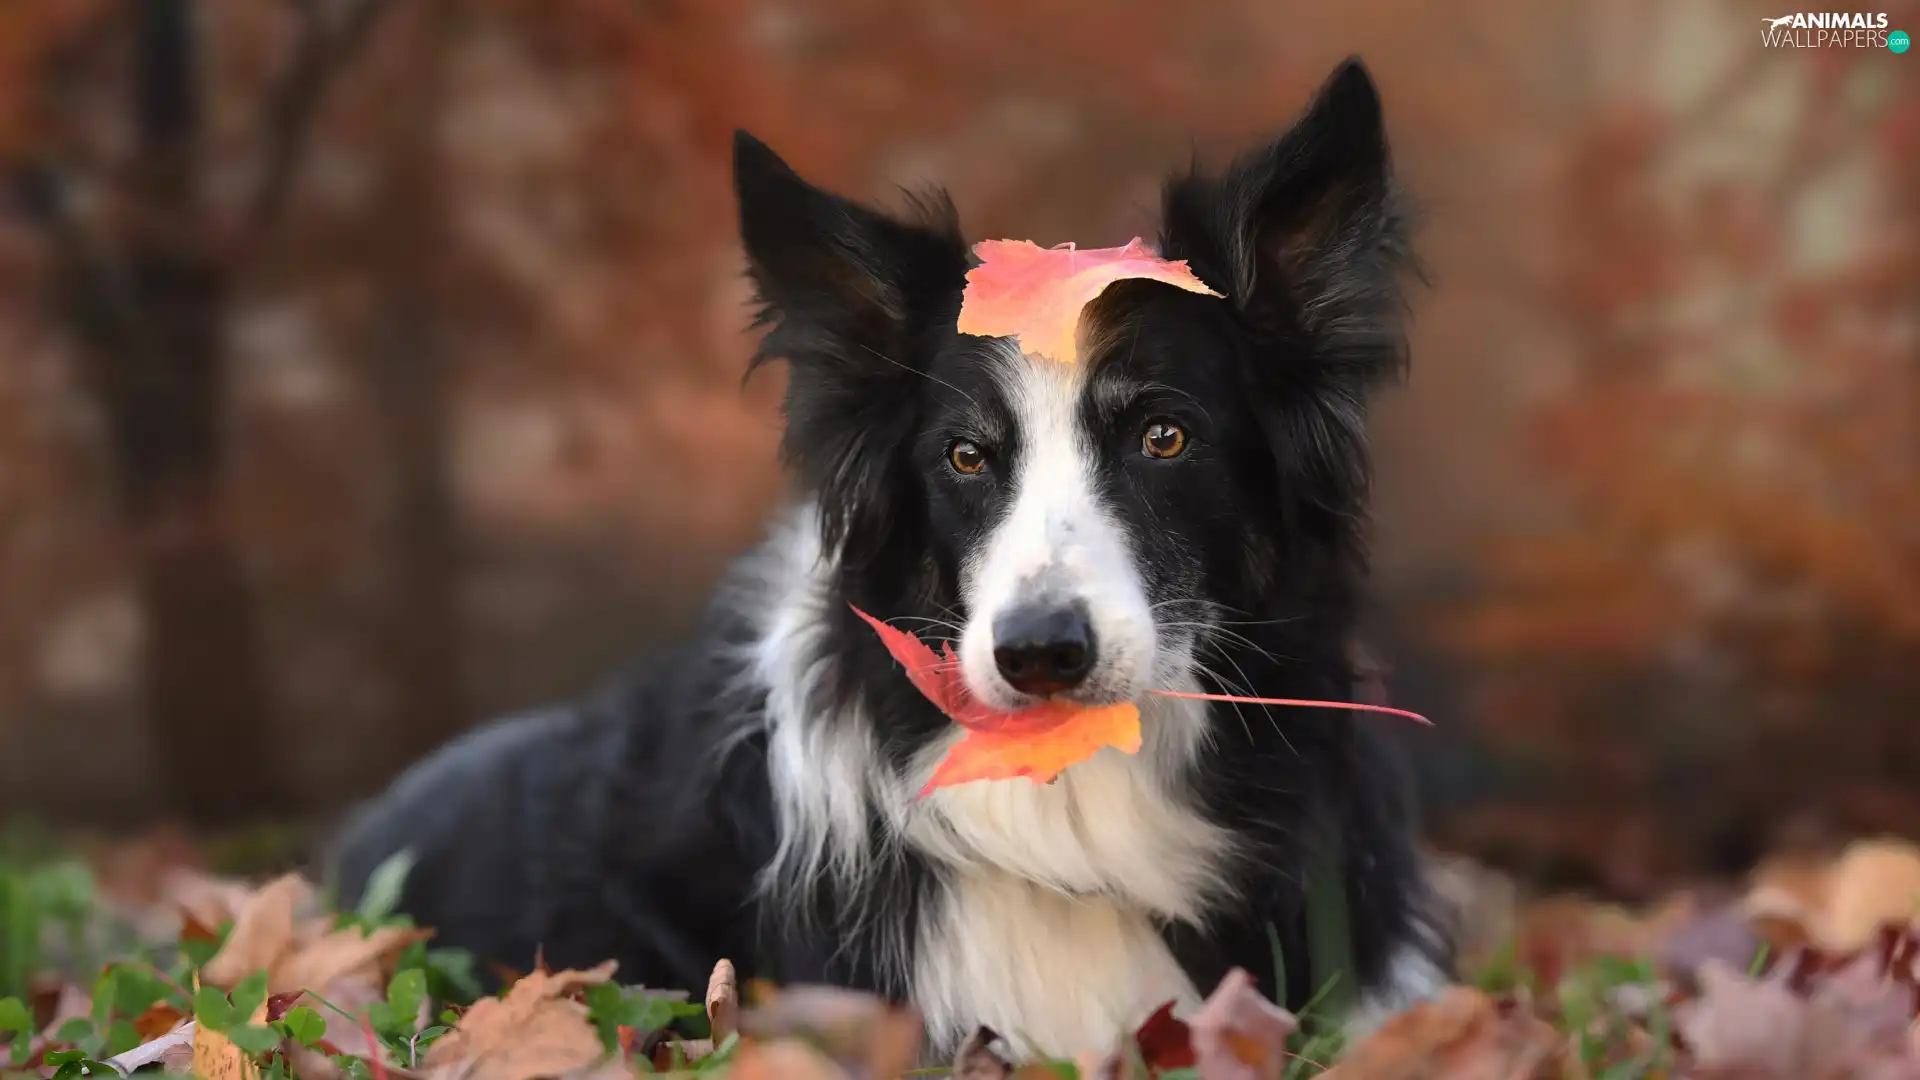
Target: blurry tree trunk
(421, 628)
(159, 367)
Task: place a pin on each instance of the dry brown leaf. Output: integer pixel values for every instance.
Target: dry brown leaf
(1461, 1035)
(853, 1027)
(215, 1057)
(980, 1058)
(1838, 906)
(1874, 883)
(532, 1031)
(1238, 1034)
(262, 932)
(338, 954)
(723, 1002)
(1737, 1024)
(301, 954)
(783, 1059)
(1880, 1010)
(156, 1020)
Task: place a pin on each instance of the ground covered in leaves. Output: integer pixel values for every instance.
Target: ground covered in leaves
(120, 963)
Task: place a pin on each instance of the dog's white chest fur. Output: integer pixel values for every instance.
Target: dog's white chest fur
(1052, 973)
(1046, 931)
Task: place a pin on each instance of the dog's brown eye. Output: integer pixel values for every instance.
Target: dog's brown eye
(966, 457)
(1163, 439)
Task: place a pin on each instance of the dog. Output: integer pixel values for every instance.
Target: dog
(1184, 508)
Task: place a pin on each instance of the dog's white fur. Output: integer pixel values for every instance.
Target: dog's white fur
(1045, 927)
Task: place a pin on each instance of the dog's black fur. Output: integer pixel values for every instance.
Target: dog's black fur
(641, 825)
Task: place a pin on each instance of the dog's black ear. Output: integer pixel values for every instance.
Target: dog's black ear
(1309, 234)
(846, 293)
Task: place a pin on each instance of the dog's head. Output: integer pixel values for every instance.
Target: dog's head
(1083, 527)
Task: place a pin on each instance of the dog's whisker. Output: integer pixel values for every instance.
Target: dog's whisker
(927, 375)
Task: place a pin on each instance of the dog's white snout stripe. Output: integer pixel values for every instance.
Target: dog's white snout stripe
(1059, 543)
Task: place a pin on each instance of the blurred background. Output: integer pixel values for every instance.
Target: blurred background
(370, 367)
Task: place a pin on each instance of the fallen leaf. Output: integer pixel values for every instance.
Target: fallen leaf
(1037, 294)
(981, 755)
(1238, 1034)
(336, 954)
(180, 1037)
(157, 1020)
(980, 1058)
(723, 1002)
(1760, 1025)
(1879, 1009)
(784, 1059)
(262, 931)
(1164, 1041)
(858, 1029)
(215, 1057)
(1461, 1035)
(1875, 882)
(534, 1030)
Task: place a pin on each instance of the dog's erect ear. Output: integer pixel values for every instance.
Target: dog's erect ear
(1309, 232)
(829, 266)
(845, 293)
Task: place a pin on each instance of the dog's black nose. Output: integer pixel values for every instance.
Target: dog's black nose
(1043, 650)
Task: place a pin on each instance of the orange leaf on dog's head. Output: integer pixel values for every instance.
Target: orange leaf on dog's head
(1043, 755)
(1023, 290)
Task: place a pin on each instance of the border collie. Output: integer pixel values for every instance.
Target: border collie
(1182, 509)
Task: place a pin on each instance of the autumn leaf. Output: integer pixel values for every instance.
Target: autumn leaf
(1841, 906)
(263, 931)
(156, 1020)
(981, 755)
(1037, 294)
(1036, 742)
(723, 1002)
(785, 1059)
(534, 1030)
(868, 1034)
(1165, 1041)
(937, 677)
(1462, 1034)
(1238, 1034)
(216, 1057)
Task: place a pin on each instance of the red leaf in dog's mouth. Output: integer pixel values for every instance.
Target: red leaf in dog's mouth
(1039, 741)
